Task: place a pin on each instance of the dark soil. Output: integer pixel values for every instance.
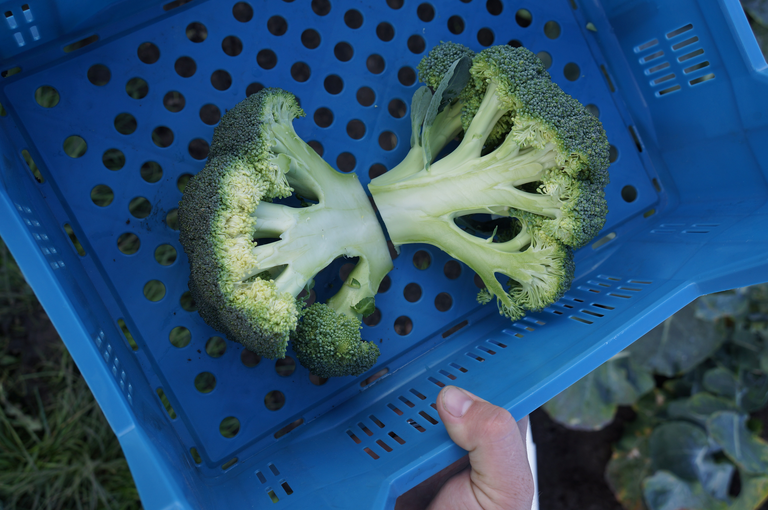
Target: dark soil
(571, 464)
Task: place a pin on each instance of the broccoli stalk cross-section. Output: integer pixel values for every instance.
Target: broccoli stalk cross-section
(528, 152)
(251, 257)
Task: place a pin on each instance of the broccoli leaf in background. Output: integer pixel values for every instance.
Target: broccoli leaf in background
(733, 303)
(758, 10)
(739, 444)
(721, 381)
(419, 104)
(628, 466)
(699, 407)
(591, 403)
(665, 491)
(455, 79)
(678, 344)
(677, 447)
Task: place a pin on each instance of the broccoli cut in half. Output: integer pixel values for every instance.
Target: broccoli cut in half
(528, 152)
(251, 257)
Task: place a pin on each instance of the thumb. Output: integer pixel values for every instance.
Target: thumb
(500, 475)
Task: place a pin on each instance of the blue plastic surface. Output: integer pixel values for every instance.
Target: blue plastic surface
(687, 202)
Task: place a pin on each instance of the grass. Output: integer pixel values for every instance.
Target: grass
(57, 451)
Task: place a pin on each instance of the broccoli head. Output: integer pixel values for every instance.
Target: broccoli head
(528, 152)
(251, 256)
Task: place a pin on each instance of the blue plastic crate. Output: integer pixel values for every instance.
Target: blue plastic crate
(681, 88)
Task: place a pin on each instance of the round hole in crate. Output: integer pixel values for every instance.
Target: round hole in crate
(613, 154)
(187, 303)
(593, 109)
(443, 302)
(479, 283)
(346, 162)
(162, 136)
(388, 140)
(148, 52)
(102, 195)
(376, 170)
(317, 146)
(99, 75)
(546, 59)
(333, 84)
(422, 260)
(277, 25)
(366, 96)
(74, 146)
(249, 359)
(552, 29)
(403, 325)
(317, 380)
(494, 7)
(154, 290)
(179, 336)
(629, 193)
(373, 319)
(232, 45)
(215, 347)
(345, 270)
(221, 80)
(385, 284)
(515, 43)
(406, 76)
(356, 129)
(524, 18)
(395, 4)
(485, 36)
(172, 219)
(205, 382)
(412, 292)
(416, 44)
(321, 7)
(128, 243)
(165, 254)
(285, 367)
(47, 96)
(385, 31)
(210, 114)
(198, 148)
(323, 117)
(452, 269)
(375, 63)
(139, 207)
(113, 159)
(425, 12)
(571, 71)
(266, 59)
(182, 181)
(196, 32)
(253, 88)
(229, 427)
(353, 18)
(174, 101)
(343, 51)
(397, 108)
(455, 25)
(274, 400)
(300, 72)
(137, 88)
(243, 12)
(151, 171)
(185, 67)
(125, 123)
(310, 39)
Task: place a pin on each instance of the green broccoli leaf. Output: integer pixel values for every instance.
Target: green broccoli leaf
(419, 104)
(748, 451)
(365, 307)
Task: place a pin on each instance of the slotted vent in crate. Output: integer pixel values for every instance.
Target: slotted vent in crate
(675, 60)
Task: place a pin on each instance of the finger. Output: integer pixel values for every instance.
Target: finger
(500, 476)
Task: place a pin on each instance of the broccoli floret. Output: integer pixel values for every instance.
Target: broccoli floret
(250, 256)
(330, 347)
(529, 152)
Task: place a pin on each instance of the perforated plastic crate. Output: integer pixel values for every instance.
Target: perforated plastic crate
(89, 187)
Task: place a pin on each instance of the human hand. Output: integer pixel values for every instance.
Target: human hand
(494, 476)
